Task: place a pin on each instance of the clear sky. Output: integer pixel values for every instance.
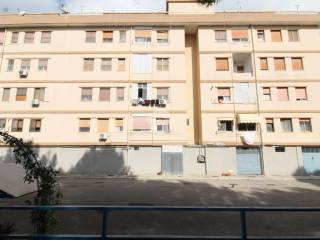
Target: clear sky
(151, 5)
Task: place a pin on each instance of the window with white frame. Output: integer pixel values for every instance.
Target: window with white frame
(84, 124)
(107, 36)
(17, 125)
(6, 95)
(119, 124)
(122, 36)
(220, 35)
(43, 64)
(15, 37)
(163, 125)
(305, 124)
(224, 95)
(90, 36)
(39, 94)
(162, 64)
(46, 37)
(261, 36)
(141, 123)
(3, 122)
(162, 36)
(35, 125)
(225, 125)
(25, 64)
(10, 67)
(29, 37)
(143, 35)
(286, 124)
(106, 64)
(163, 93)
(86, 94)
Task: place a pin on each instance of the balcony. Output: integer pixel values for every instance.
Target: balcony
(149, 102)
(242, 66)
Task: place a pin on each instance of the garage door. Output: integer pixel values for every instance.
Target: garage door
(249, 161)
(172, 160)
(311, 159)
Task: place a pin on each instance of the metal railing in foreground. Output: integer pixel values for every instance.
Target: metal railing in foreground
(104, 211)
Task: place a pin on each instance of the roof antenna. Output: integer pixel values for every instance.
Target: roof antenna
(239, 6)
(63, 9)
(298, 8)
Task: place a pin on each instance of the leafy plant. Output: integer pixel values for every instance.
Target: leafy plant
(45, 178)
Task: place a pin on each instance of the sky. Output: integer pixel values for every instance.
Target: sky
(96, 6)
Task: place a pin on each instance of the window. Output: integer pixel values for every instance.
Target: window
(103, 125)
(29, 37)
(163, 64)
(6, 95)
(121, 64)
(25, 64)
(21, 94)
(283, 94)
(15, 37)
(222, 64)
(142, 90)
(293, 35)
(280, 149)
(90, 36)
(122, 36)
(266, 94)
(261, 36)
(162, 36)
(120, 94)
(297, 64)
(106, 64)
(142, 63)
(247, 127)
(107, 37)
(240, 35)
(2, 33)
(305, 124)
(143, 35)
(141, 123)
(84, 125)
(279, 64)
(46, 37)
(10, 65)
(163, 125)
(240, 69)
(301, 94)
(86, 94)
(2, 123)
(119, 124)
(163, 93)
(276, 36)
(35, 125)
(286, 124)
(88, 64)
(43, 65)
(17, 125)
(39, 94)
(224, 95)
(220, 35)
(264, 64)
(270, 124)
(104, 95)
(225, 125)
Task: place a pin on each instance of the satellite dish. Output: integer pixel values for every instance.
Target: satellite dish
(22, 13)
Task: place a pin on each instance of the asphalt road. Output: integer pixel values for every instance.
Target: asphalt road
(184, 192)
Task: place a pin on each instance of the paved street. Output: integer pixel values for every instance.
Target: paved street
(186, 192)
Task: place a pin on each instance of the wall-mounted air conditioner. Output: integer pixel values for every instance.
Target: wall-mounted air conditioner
(135, 102)
(103, 137)
(23, 73)
(35, 103)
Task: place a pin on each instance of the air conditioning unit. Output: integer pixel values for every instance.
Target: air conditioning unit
(135, 102)
(23, 73)
(103, 137)
(35, 103)
(162, 102)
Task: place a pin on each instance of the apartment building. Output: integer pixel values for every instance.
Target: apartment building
(190, 91)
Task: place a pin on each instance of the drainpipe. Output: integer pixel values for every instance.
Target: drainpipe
(258, 102)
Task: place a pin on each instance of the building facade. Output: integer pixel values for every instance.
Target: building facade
(239, 88)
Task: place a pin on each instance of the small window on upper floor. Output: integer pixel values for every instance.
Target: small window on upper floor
(21, 94)
(279, 64)
(293, 35)
(84, 124)
(10, 66)
(163, 125)
(280, 149)
(121, 64)
(143, 35)
(119, 124)
(120, 94)
(3, 122)
(25, 64)
(6, 95)
(46, 37)
(104, 94)
(90, 36)
(264, 64)
(224, 95)
(286, 124)
(39, 94)
(29, 37)
(17, 125)
(141, 124)
(15, 37)
(163, 93)
(276, 36)
(103, 125)
(283, 93)
(297, 64)
(225, 125)
(88, 64)
(35, 125)
(107, 36)
(86, 94)
(270, 124)
(261, 36)
(220, 35)
(162, 36)
(122, 36)
(43, 64)
(2, 33)
(247, 127)
(301, 94)
(266, 94)
(106, 64)
(222, 64)
(305, 125)
(162, 64)
(240, 35)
